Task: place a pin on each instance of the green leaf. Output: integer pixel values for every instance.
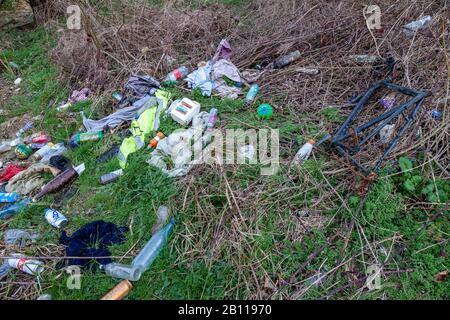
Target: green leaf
(409, 185)
(405, 164)
(428, 189)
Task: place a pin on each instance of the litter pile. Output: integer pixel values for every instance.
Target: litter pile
(145, 100)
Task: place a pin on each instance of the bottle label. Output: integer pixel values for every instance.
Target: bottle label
(89, 137)
(177, 74)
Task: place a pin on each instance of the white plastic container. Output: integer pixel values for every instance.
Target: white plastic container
(182, 111)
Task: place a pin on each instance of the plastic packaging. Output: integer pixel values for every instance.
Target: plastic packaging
(389, 100)
(182, 111)
(151, 250)
(122, 271)
(9, 197)
(46, 152)
(177, 74)
(24, 129)
(55, 218)
(23, 151)
(304, 152)
(10, 210)
(79, 138)
(436, 114)
(287, 59)
(110, 177)
(154, 142)
(45, 296)
(19, 237)
(8, 145)
(411, 28)
(38, 137)
(251, 94)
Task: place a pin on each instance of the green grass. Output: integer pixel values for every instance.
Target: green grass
(210, 255)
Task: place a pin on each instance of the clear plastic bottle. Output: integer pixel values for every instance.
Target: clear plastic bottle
(110, 177)
(122, 271)
(151, 250)
(287, 59)
(24, 129)
(9, 197)
(177, 74)
(414, 26)
(251, 95)
(13, 209)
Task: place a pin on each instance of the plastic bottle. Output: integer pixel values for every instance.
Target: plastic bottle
(414, 26)
(251, 94)
(58, 182)
(10, 210)
(212, 119)
(110, 177)
(304, 152)
(9, 197)
(55, 150)
(287, 59)
(154, 142)
(39, 137)
(79, 138)
(4, 269)
(24, 129)
(177, 74)
(151, 250)
(122, 271)
(33, 267)
(8, 145)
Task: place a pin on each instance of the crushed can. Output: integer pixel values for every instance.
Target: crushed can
(55, 218)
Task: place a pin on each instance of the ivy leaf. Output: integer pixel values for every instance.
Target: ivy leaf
(405, 164)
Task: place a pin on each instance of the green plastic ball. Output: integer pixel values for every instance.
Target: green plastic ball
(265, 111)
